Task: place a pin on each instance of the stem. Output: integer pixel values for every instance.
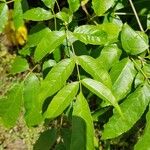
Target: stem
(139, 69)
(11, 1)
(77, 66)
(136, 16)
(57, 5)
(29, 72)
(55, 22)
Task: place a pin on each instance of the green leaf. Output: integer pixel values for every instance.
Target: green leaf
(143, 143)
(91, 66)
(61, 100)
(132, 108)
(64, 16)
(82, 126)
(3, 16)
(101, 6)
(133, 42)
(46, 140)
(148, 21)
(18, 14)
(10, 107)
(37, 34)
(48, 64)
(74, 5)
(31, 90)
(122, 75)
(49, 43)
(37, 14)
(55, 79)
(19, 65)
(97, 34)
(101, 91)
(109, 56)
(49, 3)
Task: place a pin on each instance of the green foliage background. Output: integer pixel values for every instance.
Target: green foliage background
(86, 73)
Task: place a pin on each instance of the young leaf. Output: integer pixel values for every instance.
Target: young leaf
(49, 3)
(132, 108)
(37, 14)
(82, 126)
(55, 79)
(122, 75)
(61, 100)
(101, 91)
(10, 107)
(91, 66)
(101, 6)
(49, 43)
(97, 35)
(19, 65)
(74, 5)
(3, 16)
(143, 143)
(109, 56)
(18, 14)
(31, 90)
(133, 42)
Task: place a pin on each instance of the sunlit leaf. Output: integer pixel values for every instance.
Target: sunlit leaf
(91, 66)
(109, 56)
(133, 42)
(31, 90)
(55, 79)
(74, 5)
(122, 75)
(101, 6)
(18, 14)
(132, 108)
(101, 91)
(61, 100)
(37, 14)
(49, 43)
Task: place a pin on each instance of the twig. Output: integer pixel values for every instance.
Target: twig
(136, 16)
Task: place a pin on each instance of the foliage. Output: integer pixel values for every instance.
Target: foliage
(86, 67)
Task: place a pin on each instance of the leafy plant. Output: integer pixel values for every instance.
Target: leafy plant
(82, 61)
